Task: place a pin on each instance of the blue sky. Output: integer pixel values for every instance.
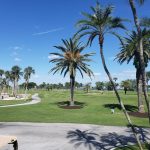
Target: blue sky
(30, 28)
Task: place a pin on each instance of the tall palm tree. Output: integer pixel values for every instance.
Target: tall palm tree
(140, 51)
(148, 76)
(1, 72)
(128, 52)
(98, 24)
(27, 74)
(15, 76)
(1, 75)
(70, 60)
(8, 78)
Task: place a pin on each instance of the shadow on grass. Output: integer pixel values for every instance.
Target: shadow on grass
(130, 108)
(66, 105)
(92, 141)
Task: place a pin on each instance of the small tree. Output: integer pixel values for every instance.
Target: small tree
(99, 85)
(15, 76)
(126, 85)
(27, 74)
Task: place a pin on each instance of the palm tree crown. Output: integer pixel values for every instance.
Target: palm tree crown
(27, 72)
(70, 59)
(129, 48)
(99, 23)
(16, 72)
(1, 72)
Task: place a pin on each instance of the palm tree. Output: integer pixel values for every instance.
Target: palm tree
(27, 74)
(148, 78)
(140, 51)
(98, 24)
(115, 79)
(8, 78)
(128, 52)
(15, 76)
(1, 75)
(1, 72)
(126, 85)
(70, 60)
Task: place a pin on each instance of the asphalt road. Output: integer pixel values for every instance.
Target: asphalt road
(61, 136)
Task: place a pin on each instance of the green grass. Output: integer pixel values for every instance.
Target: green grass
(93, 112)
(11, 102)
(135, 147)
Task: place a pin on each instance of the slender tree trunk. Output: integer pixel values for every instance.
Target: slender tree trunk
(72, 81)
(139, 91)
(117, 94)
(17, 87)
(14, 88)
(26, 87)
(141, 57)
(147, 84)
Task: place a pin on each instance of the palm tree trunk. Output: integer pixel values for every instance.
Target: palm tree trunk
(26, 86)
(72, 81)
(117, 94)
(141, 57)
(14, 88)
(139, 91)
(147, 83)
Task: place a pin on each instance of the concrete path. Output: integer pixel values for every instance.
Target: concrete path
(35, 100)
(61, 136)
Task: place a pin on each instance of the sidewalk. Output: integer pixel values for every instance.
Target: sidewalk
(35, 100)
(62, 136)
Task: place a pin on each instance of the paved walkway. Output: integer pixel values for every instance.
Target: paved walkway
(35, 100)
(62, 136)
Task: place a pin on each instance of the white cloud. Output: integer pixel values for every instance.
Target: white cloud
(17, 59)
(53, 57)
(49, 31)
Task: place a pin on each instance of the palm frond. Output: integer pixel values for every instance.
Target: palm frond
(145, 22)
(71, 58)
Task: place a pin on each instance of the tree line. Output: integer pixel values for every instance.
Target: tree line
(13, 76)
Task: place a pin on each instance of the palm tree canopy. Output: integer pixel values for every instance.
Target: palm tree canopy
(129, 46)
(8, 75)
(16, 72)
(28, 71)
(70, 59)
(125, 84)
(140, 1)
(145, 22)
(98, 23)
(1, 72)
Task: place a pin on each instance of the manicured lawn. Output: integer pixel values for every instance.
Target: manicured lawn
(96, 109)
(135, 147)
(11, 102)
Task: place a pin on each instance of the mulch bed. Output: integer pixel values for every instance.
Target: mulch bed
(66, 105)
(137, 114)
(71, 107)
